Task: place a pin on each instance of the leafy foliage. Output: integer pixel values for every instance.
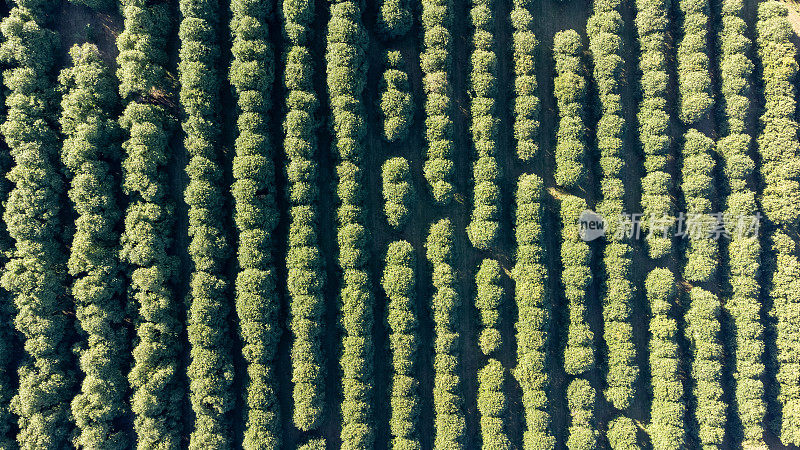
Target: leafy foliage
(35, 273)
(667, 409)
(492, 406)
(488, 298)
(303, 259)
(526, 101)
(743, 251)
(785, 293)
(347, 43)
(583, 433)
(778, 145)
(697, 185)
(575, 277)
(530, 274)
(448, 402)
(703, 334)
(604, 29)
(436, 62)
(397, 108)
(398, 192)
(484, 226)
(255, 216)
(622, 370)
(622, 434)
(399, 283)
(694, 82)
(652, 22)
(570, 92)
(211, 366)
(394, 18)
(146, 240)
(90, 153)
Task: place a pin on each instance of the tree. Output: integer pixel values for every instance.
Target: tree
(492, 406)
(346, 76)
(533, 314)
(448, 403)
(526, 101)
(398, 192)
(436, 63)
(570, 92)
(399, 283)
(303, 260)
(90, 153)
(35, 273)
(255, 216)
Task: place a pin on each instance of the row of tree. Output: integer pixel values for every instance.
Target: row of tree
(667, 410)
(652, 23)
(211, 362)
(35, 273)
(398, 192)
(694, 82)
(346, 76)
(702, 318)
(777, 142)
(576, 276)
(445, 303)
(703, 334)
(604, 29)
(488, 297)
(396, 105)
(484, 226)
(399, 283)
(255, 216)
(697, 185)
(492, 405)
(526, 101)
(778, 148)
(570, 93)
(304, 266)
(533, 313)
(90, 153)
(744, 252)
(147, 239)
(436, 62)
(583, 433)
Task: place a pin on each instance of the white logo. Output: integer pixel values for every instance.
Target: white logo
(591, 225)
